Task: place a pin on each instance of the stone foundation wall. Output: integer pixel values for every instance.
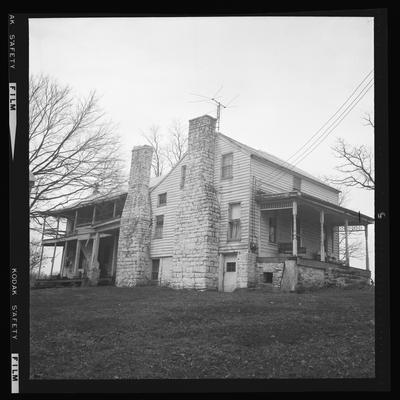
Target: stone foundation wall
(289, 275)
(318, 274)
(133, 260)
(195, 258)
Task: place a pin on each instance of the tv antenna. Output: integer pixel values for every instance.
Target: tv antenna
(215, 100)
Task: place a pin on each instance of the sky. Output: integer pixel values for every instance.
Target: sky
(286, 76)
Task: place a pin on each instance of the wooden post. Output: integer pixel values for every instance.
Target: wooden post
(94, 214)
(95, 250)
(366, 248)
(41, 251)
(115, 209)
(55, 247)
(114, 255)
(322, 220)
(346, 238)
(63, 259)
(77, 256)
(221, 273)
(294, 209)
(75, 220)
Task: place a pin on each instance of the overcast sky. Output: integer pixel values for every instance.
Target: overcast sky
(290, 74)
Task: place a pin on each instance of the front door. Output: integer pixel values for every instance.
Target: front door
(230, 270)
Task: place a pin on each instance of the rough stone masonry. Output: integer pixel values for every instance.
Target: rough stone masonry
(195, 259)
(133, 262)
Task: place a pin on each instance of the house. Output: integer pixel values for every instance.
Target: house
(226, 216)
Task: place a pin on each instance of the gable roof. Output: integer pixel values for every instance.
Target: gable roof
(277, 161)
(99, 197)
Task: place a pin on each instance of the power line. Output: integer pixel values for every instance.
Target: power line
(287, 163)
(330, 129)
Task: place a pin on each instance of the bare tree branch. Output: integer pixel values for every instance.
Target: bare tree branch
(177, 145)
(154, 139)
(72, 146)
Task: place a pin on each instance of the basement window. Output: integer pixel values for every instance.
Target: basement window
(227, 166)
(162, 199)
(267, 277)
(159, 227)
(231, 266)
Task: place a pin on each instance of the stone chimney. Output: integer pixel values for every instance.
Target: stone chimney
(195, 258)
(133, 261)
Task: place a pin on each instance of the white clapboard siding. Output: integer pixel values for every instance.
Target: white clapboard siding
(171, 185)
(276, 182)
(235, 190)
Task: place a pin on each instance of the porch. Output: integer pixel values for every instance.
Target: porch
(294, 224)
(88, 236)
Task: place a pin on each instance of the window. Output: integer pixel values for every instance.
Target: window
(159, 226)
(297, 183)
(272, 229)
(162, 199)
(231, 266)
(183, 176)
(227, 166)
(155, 268)
(234, 222)
(267, 277)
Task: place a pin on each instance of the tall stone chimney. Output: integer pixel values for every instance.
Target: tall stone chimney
(133, 261)
(195, 258)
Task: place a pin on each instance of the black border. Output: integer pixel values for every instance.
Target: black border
(19, 223)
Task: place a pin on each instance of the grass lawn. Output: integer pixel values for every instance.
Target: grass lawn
(153, 332)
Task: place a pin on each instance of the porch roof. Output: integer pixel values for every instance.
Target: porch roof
(353, 217)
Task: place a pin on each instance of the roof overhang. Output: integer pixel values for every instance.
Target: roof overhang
(286, 200)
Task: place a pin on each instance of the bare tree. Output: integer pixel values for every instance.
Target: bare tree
(177, 145)
(154, 139)
(72, 146)
(357, 163)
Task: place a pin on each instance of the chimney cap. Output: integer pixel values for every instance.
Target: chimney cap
(142, 147)
(205, 116)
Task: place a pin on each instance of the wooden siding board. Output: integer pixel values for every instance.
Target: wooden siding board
(277, 181)
(233, 190)
(171, 185)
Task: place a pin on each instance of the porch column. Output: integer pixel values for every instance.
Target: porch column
(64, 255)
(321, 220)
(75, 220)
(114, 255)
(55, 247)
(94, 214)
(77, 256)
(95, 251)
(366, 248)
(346, 239)
(42, 248)
(221, 273)
(294, 209)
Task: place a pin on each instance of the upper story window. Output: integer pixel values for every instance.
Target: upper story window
(272, 229)
(234, 231)
(162, 199)
(227, 166)
(296, 183)
(183, 176)
(159, 227)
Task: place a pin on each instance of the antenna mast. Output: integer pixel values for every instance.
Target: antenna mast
(219, 105)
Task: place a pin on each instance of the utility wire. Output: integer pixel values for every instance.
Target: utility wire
(329, 130)
(287, 163)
